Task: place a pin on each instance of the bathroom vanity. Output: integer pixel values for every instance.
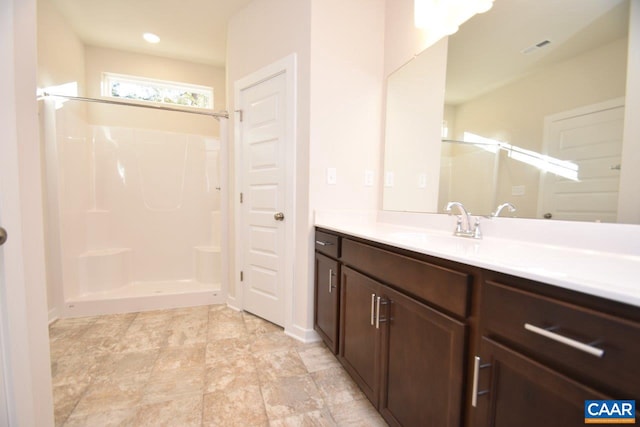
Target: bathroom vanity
(440, 330)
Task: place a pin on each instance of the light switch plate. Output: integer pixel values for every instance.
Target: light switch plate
(368, 178)
(422, 180)
(332, 176)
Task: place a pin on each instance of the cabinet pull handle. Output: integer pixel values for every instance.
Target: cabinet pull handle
(330, 280)
(594, 351)
(476, 373)
(373, 308)
(321, 243)
(379, 302)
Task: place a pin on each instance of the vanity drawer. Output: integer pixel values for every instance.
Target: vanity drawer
(440, 286)
(594, 346)
(328, 244)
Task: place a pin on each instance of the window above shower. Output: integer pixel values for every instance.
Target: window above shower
(137, 88)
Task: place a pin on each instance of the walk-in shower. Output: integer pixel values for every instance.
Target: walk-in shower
(134, 212)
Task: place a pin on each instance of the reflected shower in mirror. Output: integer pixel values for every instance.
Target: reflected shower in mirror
(533, 115)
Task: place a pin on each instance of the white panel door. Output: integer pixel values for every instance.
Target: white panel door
(592, 139)
(263, 178)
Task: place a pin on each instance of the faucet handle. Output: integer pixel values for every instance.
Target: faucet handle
(458, 225)
(477, 233)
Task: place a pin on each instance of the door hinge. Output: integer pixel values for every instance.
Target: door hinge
(242, 276)
(241, 114)
(241, 197)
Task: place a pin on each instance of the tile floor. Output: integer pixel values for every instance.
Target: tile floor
(198, 366)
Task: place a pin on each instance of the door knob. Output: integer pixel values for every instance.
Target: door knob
(3, 236)
(278, 216)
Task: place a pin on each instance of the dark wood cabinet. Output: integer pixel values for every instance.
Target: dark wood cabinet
(432, 342)
(327, 292)
(422, 364)
(406, 357)
(327, 288)
(541, 357)
(519, 391)
(359, 350)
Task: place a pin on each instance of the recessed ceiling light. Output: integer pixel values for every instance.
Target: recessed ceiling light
(151, 38)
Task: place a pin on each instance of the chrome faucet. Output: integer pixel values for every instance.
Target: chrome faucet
(465, 217)
(501, 207)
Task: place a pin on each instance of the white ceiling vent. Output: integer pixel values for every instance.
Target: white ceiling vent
(535, 47)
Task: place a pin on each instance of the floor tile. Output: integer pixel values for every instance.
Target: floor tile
(321, 418)
(317, 357)
(336, 386)
(116, 418)
(173, 384)
(65, 399)
(285, 397)
(197, 366)
(228, 348)
(111, 394)
(279, 364)
(120, 365)
(234, 373)
(183, 412)
(359, 413)
(172, 358)
(242, 407)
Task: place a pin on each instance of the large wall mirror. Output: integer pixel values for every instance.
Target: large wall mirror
(533, 114)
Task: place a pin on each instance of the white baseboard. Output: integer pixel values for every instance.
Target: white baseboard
(301, 334)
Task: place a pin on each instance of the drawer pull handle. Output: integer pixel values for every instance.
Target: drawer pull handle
(321, 243)
(594, 351)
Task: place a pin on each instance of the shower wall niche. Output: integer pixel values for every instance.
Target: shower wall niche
(134, 217)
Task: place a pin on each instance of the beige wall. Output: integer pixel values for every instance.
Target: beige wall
(60, 51)
(346, 60)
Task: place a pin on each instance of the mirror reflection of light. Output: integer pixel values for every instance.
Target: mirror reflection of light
(486, 144)
(563, 168)
(122, 172)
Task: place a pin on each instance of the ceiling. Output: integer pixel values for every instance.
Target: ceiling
(486, 52)
(190, 30)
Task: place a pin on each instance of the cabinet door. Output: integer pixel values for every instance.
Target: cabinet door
(359, 337)
(423, 364)
(518, 391)
(327, 292)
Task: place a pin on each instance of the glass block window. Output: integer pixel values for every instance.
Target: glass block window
(158, 91)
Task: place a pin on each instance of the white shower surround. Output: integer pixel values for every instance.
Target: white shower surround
(134, 216)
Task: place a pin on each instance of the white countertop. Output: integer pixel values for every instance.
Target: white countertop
(611, 275)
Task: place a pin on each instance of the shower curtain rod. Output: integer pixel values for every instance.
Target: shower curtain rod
(217, 116)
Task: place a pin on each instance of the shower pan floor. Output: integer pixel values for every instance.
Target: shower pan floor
(144, 296)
